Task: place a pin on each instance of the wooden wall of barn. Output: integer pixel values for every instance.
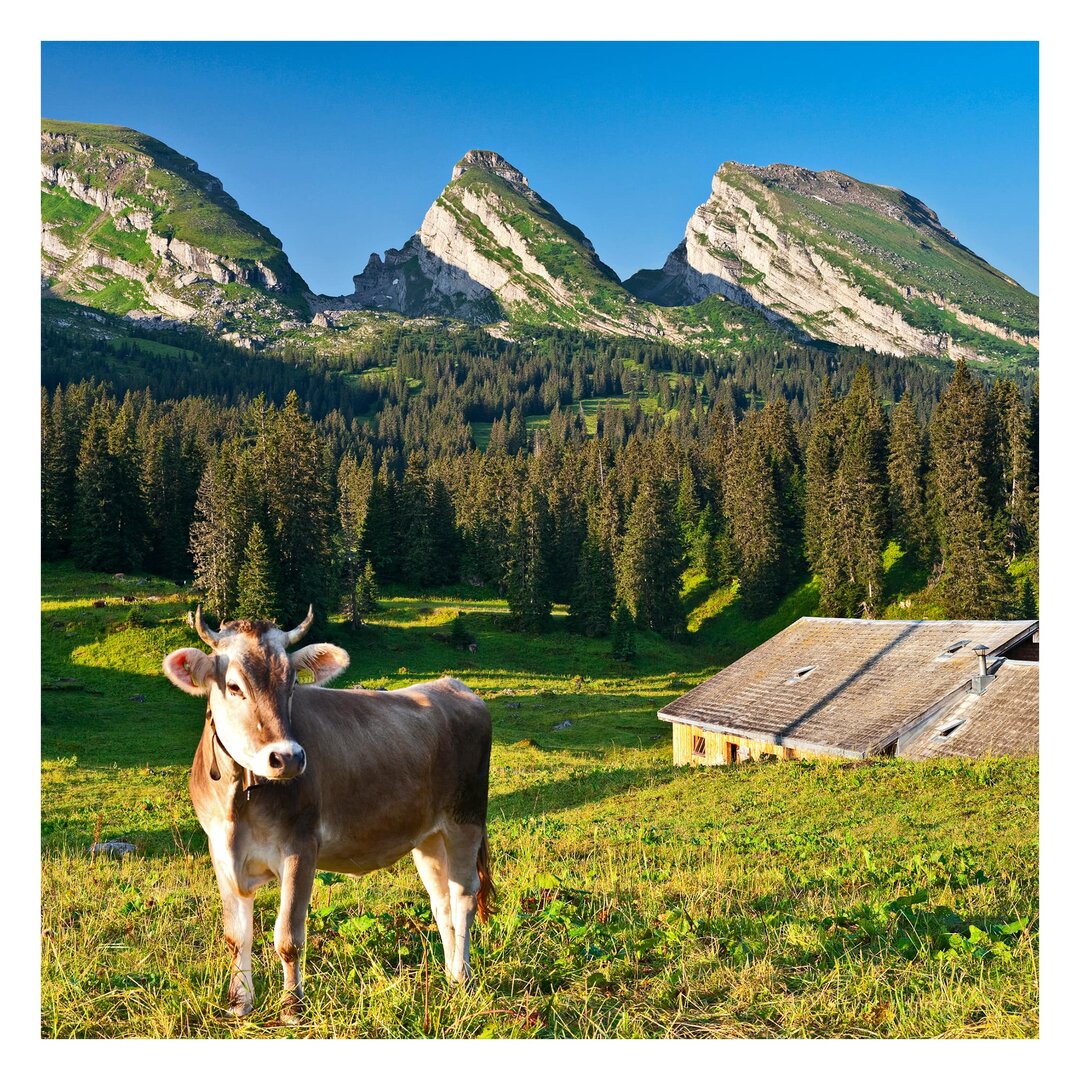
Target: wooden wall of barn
(717, 748)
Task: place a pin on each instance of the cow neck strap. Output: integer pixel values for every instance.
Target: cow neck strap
(249, 780)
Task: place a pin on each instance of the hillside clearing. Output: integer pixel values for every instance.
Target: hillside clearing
(885, 899)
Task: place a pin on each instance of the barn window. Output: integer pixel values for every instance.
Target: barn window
(799, 674)
(699, 746)
(944, 733)
(953, 649)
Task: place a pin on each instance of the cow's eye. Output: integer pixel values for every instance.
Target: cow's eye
(234, 688)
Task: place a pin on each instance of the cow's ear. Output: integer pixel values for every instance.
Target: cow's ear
(323, 661)
(190, 669)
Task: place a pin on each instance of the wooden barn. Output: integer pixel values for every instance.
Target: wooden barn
(854, 688)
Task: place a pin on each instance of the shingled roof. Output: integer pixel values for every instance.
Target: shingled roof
(1003, 720)
(844, 686)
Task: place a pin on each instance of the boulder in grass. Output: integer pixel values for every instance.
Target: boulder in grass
(117, 849)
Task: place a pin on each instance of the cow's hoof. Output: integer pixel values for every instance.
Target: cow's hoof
(239, 1008)
(292, 1010)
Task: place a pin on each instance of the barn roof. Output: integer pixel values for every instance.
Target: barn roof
(1003, 720)
(845, 686)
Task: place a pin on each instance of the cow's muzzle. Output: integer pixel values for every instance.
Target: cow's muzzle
(281, 761)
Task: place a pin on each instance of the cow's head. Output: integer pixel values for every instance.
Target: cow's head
(250, 678)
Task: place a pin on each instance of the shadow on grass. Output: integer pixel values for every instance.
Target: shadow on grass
(535, 800)
(574, 791)
(903, 575)
(698, 594)
(731, 633)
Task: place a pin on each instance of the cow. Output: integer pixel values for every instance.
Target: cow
(289, 779)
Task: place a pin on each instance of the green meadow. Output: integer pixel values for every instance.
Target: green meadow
(788, 899)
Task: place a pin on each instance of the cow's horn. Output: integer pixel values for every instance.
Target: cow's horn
(293, 636)
(209, 636)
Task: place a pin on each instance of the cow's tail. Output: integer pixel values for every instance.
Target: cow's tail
(485, 896)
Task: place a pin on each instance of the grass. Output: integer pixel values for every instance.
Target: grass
(888, 899)
(68, 216)
(110, 292)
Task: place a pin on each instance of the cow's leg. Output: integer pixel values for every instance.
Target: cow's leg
(463, 845)
(239, 927)
(297, 875)
(431, 863)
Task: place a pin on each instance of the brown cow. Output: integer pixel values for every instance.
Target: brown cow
(289, 779)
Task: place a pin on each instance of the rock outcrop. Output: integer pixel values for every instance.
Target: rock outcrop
(491, 248)
(836, 259)
(167, 229)
(132, 227)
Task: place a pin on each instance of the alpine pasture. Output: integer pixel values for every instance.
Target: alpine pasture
(784, 899)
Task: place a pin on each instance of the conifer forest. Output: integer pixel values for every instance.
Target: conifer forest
(562, 468)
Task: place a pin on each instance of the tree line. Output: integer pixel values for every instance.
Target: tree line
(268, 507)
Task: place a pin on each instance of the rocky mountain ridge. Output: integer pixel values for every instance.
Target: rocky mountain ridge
(844, 261)
(132, 227)
(491, 248)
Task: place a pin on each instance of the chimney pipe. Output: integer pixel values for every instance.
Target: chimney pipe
(981, 681)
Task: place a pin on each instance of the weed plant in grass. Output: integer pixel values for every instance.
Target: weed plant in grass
(887, 899)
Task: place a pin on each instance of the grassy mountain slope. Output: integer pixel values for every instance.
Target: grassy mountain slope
(849, 262)
(491, 248)
(133, 227)
(793, 899)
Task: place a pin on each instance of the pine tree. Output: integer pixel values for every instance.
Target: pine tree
(759, 505)
(907, 480)
(973, 583)
(859, 502)
(217, 533)
(382, 532)
(298, 506)
(703, 551)
(367, 596)
(56, 477)
(427, 526)
(256, 595)
(687, 505)
(170, 469)
(822, 452)
(1011, 472)
(460, 638)
(527, 582)
(355, 483)
(1027, 607)
(516, 435)
(623, 639)
(594, 592)
(649, 572)
(109, 524)
(568, 523)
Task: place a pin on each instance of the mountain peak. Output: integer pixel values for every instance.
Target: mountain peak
(838, 189)
(840, 259)
(490, 162)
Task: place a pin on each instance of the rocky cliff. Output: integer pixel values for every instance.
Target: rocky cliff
(491, 248)
(133, 227)
(844, 261)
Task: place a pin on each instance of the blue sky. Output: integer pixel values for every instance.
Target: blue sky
(341, 147)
